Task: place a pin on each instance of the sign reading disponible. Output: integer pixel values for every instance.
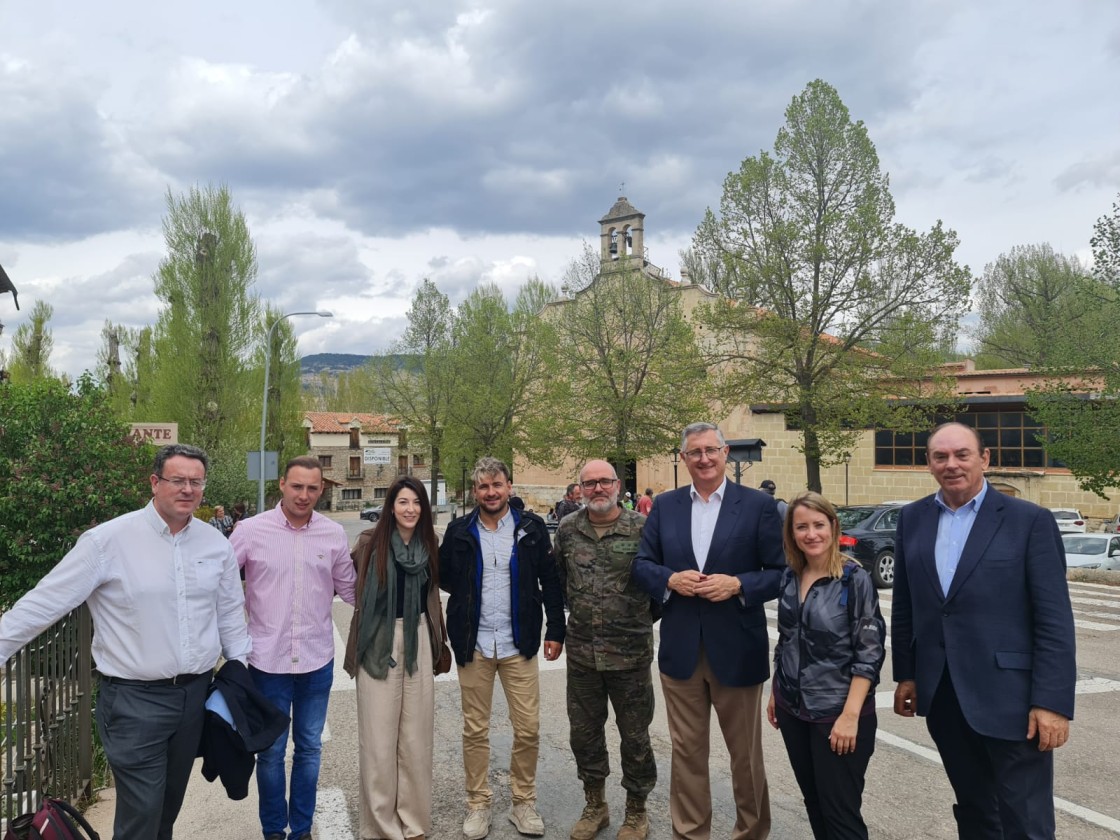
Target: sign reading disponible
(377, 455)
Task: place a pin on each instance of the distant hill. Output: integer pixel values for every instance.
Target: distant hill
(333, 362)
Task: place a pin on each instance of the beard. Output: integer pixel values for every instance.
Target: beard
(603, 504)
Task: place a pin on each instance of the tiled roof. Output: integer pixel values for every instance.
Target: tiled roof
(339, 421)
(622, 209)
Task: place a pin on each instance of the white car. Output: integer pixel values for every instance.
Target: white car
(1070, 521)
(1092, 551)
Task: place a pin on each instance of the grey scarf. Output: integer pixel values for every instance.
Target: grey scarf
(375, 630)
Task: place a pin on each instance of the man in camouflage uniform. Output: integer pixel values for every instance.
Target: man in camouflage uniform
(610, 650)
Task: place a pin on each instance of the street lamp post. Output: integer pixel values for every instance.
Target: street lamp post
(463, 464)
(676, 460)
(847, 460)
(322, 313)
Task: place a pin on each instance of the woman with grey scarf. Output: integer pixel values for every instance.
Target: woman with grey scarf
(396, 638)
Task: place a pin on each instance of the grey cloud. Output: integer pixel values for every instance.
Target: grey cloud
(302, 268)
(1102, 171)
(64, 172)
(554, 107)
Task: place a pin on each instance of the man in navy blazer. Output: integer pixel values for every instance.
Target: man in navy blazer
(982, 640)
(713, 553)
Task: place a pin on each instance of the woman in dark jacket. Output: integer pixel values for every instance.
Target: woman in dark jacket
(394, 646)
(826, 663)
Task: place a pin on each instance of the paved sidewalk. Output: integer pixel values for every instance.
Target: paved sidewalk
(207, 811)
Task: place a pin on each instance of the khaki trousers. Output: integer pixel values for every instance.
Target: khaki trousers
(688, 707)
(521, 684)
(396, 719)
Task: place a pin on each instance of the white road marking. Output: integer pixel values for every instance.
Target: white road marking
(1094, 625)
(332, 817)
(1095, 817)
(342, 680)
(1094, 602)
(1088, 685)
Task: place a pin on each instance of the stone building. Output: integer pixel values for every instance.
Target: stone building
(884, 466)
(361, 454)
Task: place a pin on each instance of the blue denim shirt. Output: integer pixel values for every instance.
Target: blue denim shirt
(495, 623)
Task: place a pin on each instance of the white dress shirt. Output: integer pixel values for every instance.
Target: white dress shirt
(704, 516)
(162, 604)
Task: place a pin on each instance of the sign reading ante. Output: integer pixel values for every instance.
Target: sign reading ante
(157, 433)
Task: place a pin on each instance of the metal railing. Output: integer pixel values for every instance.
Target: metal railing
(47, 745)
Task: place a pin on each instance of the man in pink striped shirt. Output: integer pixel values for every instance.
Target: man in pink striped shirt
(295, 561)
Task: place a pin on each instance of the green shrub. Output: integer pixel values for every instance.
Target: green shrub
(66, 464)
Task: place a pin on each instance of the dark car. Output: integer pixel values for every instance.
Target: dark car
(867, 536)
(371, 514)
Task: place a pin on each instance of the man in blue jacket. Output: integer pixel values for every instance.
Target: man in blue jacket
(713, 552)
(498, 567)
(982, 640)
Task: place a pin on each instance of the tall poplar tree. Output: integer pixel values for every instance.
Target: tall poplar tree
(32, 343)
(206, 331)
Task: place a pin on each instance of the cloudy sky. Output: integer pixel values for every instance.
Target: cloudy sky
(372, 143)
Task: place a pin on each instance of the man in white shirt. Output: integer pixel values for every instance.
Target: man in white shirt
(165, 596)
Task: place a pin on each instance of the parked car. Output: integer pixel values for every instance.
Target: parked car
(1092, 551)
(1070, 520)
(371, 514)
(867, 536)
(1112, 526)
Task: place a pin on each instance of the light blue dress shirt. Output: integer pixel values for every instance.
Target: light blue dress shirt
(495, 621)
(953, 528)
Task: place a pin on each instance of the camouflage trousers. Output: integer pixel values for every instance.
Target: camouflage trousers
(631, 695)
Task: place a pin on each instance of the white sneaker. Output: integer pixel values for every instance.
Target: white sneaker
(526, 820)
(477, 824)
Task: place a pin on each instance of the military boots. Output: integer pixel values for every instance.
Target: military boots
(595, 815)
(636, 825)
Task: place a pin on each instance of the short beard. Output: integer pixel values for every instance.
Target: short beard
(599, 505)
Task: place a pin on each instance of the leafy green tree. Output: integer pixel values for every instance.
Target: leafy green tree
(497, 360)
(207, 328)
(624, 373)
(66, 464)
(1080, 406)
(417, 387)
(31, 346)
(284, 433)
(821, 282)
(1033, 303)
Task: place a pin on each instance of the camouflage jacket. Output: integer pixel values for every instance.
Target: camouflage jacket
(610, 627)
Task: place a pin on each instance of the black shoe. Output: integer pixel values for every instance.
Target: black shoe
(275, 836)
(305, 836)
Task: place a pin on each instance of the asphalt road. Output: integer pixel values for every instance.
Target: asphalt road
(907, 795)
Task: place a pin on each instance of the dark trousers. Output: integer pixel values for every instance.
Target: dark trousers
(630, 692)
(151, 737)
(1004, 789)
(831, 784)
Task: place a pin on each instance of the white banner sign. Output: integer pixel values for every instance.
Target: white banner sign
(378, 455)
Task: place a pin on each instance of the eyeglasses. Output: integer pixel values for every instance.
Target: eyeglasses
(183, 483)
(605, 483)
(707, 452)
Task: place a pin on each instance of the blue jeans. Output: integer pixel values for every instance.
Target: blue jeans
(304, 697)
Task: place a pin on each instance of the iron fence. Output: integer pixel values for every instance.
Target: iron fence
(47, 746)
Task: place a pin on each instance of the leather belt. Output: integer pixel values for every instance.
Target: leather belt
(178, 679)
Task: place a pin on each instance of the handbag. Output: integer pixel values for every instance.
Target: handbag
(443, 664)
(56, 819)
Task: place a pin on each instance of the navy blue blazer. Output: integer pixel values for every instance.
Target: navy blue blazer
(746, 543)
(1005, 627)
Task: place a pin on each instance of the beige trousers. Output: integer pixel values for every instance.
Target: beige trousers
(521, 684)
(396, 718)
(688, 707)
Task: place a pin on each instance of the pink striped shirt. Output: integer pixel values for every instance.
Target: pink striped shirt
(291, 577)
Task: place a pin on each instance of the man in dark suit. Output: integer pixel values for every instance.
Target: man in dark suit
(713, 553)
(983, 640)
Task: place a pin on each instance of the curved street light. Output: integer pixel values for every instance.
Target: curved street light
(322, 313)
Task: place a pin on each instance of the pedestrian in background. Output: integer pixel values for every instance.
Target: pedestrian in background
(645, 502)
(610, 651)
(166, 601)
(770, 488)
(295, 560)
(497, 564)
(570, 503)
(831, 646)
(396, 637)
(222, 521)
